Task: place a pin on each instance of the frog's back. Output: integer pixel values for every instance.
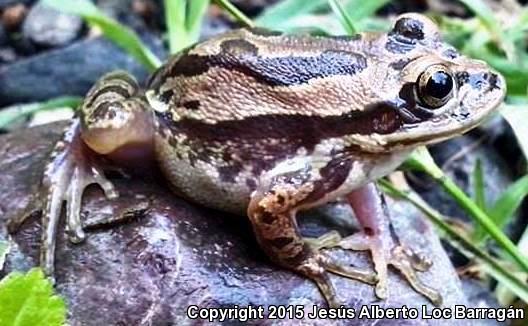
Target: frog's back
(248, 72)
(234, 106)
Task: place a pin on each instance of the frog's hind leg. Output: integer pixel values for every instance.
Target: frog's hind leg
(272, 212)
(75, 161)
(379, 237)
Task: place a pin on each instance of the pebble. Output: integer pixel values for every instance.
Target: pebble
(48, 27)
(13, 16)
(71, 70)
(8, 3)
(3, 36)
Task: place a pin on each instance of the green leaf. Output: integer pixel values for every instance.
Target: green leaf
(478, 186)
(421, 160)
(235, 12)
(361, 9)
(483, 12)
(12, 113)
(195, 14)
(175, 19)
(184, 20)
(343, 17)
(285, 10)
(28, 300)
(517, 117)
(503, 209)
(312, 16)
(113, 30)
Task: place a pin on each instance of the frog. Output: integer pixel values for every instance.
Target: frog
(265, 125)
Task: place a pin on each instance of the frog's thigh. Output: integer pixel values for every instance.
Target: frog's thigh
(272, 212)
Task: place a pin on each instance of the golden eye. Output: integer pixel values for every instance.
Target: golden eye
(435, 86)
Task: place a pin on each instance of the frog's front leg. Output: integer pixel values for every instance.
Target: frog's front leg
(272, 211)
(379, 237)
(113, 119)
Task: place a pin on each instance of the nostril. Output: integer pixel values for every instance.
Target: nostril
(494, 81)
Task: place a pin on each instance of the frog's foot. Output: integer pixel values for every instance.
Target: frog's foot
(403, 259)
(379, 237)
(71, 169)
(272, 213)
(316, 266)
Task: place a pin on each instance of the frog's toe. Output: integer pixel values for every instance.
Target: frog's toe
(316, 267)
(71, 169)
(407, 262)
(384, 254)
(83, 175)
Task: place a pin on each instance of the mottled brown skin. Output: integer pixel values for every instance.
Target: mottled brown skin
(263, 124)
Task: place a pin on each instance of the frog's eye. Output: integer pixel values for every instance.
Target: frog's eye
(435, 86)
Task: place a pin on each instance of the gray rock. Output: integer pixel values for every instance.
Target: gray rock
(67, 71)
(3, 36)
(7, 55)
(49, 27)
(9, 3)
(149, 270)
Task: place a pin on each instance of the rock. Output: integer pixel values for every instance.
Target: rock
(149, 270)
(3, 36)
(8, 3)
(7, 55)
(67, 71)
(49, 27)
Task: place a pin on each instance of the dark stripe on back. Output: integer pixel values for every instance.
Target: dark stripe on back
(382, 119)
(278, 71)
(261, 141)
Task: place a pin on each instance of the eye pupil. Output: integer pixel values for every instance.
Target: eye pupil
(439, 85)
(435, 87)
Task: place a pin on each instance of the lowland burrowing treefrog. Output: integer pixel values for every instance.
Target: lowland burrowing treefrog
(262, 124)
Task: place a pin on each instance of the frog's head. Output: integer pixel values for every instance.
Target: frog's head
(437, 92)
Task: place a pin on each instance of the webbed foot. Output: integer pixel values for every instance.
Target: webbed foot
(379, 238)
(406, 261)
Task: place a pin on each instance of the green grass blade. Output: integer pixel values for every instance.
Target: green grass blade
(491, 265)
(343, 17)
(284, 10)
(421, 160)
(361, 9)
(235, 12)
(13, 113)
(503, 209)
(113, 30)
(493, 26)
(478, 186)
(195, 15)
(175, 21)
(483, 12)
